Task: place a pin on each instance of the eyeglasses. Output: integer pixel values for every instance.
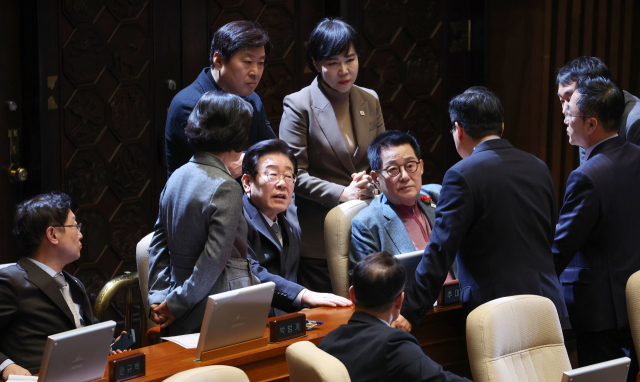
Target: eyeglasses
(78, 226)
(274, 177)
(576, 116)
(409, 167)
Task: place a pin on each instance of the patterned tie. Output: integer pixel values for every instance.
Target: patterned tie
(276, 229)
(64, 288)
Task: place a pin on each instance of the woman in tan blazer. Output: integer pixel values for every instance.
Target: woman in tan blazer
(329, 125)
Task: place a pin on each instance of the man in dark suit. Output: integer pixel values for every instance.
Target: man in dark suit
(367, 346)
(596, 246)
(591, 67)
(38, 298)
(238, 52)
(269, 169)
(497, 211)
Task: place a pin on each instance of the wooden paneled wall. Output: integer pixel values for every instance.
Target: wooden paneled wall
(529, 40)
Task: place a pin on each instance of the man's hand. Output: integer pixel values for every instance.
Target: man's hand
(402, 324)
(161, 315)
(13, 369)
(235, 165)
(112, 352)
(315, 299)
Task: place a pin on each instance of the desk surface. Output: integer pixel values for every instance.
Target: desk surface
(441, 335)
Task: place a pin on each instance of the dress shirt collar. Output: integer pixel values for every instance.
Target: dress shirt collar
(268, 219)
(44, 267)
(588, 151)
(488, 139)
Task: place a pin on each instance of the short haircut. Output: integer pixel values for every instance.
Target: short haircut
(238, 35)
(219, 122)
(387, 140)
(581, 67)
(260, 149)
(34, 216)
(602, 98)
(378, 280)
(478, 111)
(331, 37)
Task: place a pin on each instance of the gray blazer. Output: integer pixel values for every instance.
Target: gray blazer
(310, 127)
(199, 246)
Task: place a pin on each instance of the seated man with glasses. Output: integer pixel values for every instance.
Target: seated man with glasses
(273, 244)
(400, 220)
(38, 298)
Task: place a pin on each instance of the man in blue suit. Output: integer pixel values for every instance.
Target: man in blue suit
(238, 52)
(497, 211)
(270, 169)
(597, 241)
(367, 346)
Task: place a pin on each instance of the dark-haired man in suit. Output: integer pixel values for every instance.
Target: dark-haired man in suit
(269, 169)
(367, 346)
(497, 213)
(238, 52)
(38, 298)
(598, 227)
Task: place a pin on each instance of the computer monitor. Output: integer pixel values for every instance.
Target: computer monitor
(410, 261)
(235, 316)
(611, 371)
(77, 355)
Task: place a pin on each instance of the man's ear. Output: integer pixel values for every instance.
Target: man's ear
(218, 61)
(352, 295)
(593, 123)
(421, 167)
(374, 176)
(52, 235)
(460, 132)
(246, 183)
(398, 303)
(502, 132)
(316, 65)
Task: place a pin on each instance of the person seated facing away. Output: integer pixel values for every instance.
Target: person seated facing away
(367, 346)
(269, 169)
(400, 220)
(37, 298)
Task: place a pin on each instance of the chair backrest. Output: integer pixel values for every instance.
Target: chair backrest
(213, 373)
(337, 236)
(142, 261)
(516, 339)
(633, 308)
(307, 363)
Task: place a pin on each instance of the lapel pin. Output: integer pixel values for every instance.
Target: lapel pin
(361, 112)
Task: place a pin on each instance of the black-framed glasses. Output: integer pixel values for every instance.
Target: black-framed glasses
(394, 170)
(274, 177)
(576, 116)
(78, 226)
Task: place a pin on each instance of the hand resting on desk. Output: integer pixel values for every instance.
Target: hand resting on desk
(13, 369)
(315, 299)
(160, 314)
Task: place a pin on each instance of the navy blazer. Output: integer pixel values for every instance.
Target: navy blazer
(373, 351)
(31, 309)
(599, 225)
(178, 149)
(497, 211)
(271, 261)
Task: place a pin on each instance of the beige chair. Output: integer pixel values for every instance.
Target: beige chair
(213, 373)
(307, 363)
(633, 308)
(337, 236)
(516, 339)
(142, 261)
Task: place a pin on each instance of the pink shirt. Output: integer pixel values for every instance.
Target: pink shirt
(416, 224)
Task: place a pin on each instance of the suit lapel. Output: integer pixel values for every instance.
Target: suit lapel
(326, 119)
(360, 116)
(46, 284)
(606, 145)
(395, 228)
(428, 211)
(258, 221)
(206, 82)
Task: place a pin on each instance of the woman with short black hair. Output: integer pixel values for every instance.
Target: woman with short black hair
(329, 125)
(199, 247)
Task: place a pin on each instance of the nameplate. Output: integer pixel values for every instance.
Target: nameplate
(287, 327)
(450, 293)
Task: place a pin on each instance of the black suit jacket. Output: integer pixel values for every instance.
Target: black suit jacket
(599, 232)
(497, 211)
(31, 309)
(373, 351)
(271, 261)
(178, 149)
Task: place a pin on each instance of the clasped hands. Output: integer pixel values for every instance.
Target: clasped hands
(361, 187)
(161, 315)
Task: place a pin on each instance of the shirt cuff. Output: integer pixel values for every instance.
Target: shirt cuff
(4, 365)
(298, 300)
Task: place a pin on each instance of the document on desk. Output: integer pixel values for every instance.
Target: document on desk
(187, 341)
(14, 377)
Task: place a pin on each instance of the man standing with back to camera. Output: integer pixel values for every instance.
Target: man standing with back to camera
(238, 52)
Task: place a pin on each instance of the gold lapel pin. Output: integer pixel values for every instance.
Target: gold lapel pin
(361, 112)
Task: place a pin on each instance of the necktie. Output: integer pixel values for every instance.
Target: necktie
(64, 288)
(276, 229)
